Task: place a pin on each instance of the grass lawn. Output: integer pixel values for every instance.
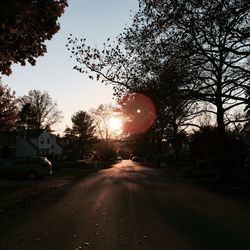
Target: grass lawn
(9, 189)
(19, 192)
(13, 196)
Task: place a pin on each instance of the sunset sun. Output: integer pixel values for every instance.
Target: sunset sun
(115, 123)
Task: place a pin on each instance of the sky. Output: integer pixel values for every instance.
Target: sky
(95, 20)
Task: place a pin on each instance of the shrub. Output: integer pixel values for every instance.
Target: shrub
(211, 149)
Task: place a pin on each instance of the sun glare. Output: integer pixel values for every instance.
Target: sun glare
(115, 123)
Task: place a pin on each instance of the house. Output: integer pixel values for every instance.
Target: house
(38, 142)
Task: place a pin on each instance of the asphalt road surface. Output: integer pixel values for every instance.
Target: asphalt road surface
(129, 207)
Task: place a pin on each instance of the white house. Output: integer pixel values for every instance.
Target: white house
(38, 142)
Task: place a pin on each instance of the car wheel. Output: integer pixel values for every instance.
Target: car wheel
(33, 175)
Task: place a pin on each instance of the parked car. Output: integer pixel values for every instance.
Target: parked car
(119, 158)
(135, 158)
(31, 168)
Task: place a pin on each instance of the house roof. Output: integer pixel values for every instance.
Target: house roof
(32, 144)
(33, 133)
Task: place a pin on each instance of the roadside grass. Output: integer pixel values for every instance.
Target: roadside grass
(19, 196)
(9, 189)
(19, 193)
(237, 182)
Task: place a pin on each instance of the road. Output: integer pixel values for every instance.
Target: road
(129, 207)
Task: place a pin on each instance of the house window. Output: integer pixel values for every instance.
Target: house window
(48, 140)
(42, 140)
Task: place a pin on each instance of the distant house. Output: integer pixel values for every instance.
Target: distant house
(38, 142)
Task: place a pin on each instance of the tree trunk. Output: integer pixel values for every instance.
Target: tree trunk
(219, 105)
(175, 143)
(221, 139)
(220, 119)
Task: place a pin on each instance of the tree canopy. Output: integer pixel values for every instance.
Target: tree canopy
(82, 134)
(38, 110)
(208, 40)
(212, 36)
(8, 108)
(25, 26)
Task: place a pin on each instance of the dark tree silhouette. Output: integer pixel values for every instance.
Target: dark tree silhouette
(247, 109)
(27, 116)
(82, 134)
(214, 37)
(175, 110)
(25, 26)
(211, 36)
(8, 108)
(208, 150)
(161, 81)
(38, 110)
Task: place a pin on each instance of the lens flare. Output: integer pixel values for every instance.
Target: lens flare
(139, 111)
